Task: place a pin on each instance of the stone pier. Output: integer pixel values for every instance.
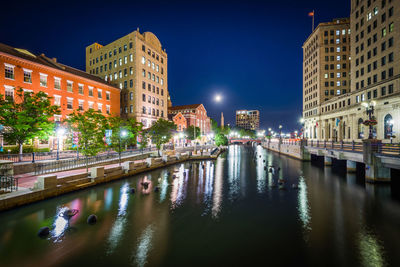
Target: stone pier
(351, 166)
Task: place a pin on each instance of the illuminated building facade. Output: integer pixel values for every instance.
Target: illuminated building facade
(248, 119)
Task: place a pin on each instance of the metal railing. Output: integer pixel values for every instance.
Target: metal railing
(8, 184)
(378, 147)
(82, 161)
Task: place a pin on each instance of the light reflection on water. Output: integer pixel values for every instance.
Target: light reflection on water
(224, 210)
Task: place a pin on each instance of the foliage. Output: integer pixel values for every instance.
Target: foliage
(26, 117)
(144, 139)
(119, 126)
(190, 132)
(90, 126)
(161, 132)
(221, 140)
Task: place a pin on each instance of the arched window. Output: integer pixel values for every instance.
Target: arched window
(388, 126)
(360, 129)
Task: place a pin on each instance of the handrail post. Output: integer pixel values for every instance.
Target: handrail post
(33, 157)
(341, 145)
(324, 143)
(352, 145)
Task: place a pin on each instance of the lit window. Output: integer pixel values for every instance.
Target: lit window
(108, 109)
(100, 107)
(343, 32)
(338, 75)
(338, 83)
(69, 86)
(162, 81)
(107, 95)
(148, 63)
(57, 83)
(143, 60)
(131, 57)
(125, 59)
(80, 88)
(57, 100)
(90, 105)
(9, 71)
(80, 107)
(326, 75)
(337, 32)
(70, 103)
(43, 80)
(99, 93)
(338, 92)
(27, 76)
(338, 49)
(338, 66)
(338, 41)
(9, 92)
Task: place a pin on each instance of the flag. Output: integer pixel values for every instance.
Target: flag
(337, 122)
(311, 14)
(316, 124)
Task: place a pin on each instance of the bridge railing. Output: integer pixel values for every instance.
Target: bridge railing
(381, 148)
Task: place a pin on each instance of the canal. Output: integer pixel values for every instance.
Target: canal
(227, 212)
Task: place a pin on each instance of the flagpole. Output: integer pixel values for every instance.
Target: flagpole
(313, 20)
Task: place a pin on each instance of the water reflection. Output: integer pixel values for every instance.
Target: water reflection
(214, 211)
(118, 228)
(218, 187)
(303, 205)
(370, 250)
(234, 160)
(143, 247)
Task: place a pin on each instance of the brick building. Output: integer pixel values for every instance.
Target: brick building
(70, 88)
(179, 120)
(194, 114)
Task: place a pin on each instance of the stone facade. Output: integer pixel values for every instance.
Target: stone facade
(375, 79)
(137, 64)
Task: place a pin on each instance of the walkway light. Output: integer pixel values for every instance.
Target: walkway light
(60, 133)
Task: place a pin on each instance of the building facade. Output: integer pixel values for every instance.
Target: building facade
(137, 64)
(375, 79)
(326, 65)
(179, 120)
(195, 115)
(248, 119)
(70, 88)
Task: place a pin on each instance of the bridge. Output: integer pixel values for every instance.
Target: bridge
(378, 159)
(244, 141)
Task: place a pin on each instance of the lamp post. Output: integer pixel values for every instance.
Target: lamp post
(302, 127)
(391, 123)
(60, 133)
(369, 109)
(280, 132)
(122, 133)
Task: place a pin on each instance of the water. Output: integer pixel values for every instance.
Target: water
(225, 214)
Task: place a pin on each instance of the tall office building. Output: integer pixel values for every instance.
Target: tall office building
(137, 64)
(326, 64)
(375, 79)
(248, 119)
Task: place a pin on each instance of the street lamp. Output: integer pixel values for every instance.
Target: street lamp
(280, 131)
(122, 133)
(60, 133)
(369, 110)
(391, 123)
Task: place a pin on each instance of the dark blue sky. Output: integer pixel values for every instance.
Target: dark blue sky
(248, 51)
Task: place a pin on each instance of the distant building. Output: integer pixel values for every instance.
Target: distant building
(137, 64)
(248, 119)
(196, 115)
(179, 120)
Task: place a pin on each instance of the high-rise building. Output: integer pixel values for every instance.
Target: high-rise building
(136, 63)
(375, 79)
(326, 64)
(248, 119)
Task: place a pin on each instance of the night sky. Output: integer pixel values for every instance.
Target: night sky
(248, 51)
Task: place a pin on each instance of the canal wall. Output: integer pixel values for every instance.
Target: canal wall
(292, 150)
(52, 185)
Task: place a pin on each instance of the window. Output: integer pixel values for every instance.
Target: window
(90, 91)
(143, 60)
(144, 110)
(57, 83)
(69, 86)
(27, 76)
(100, 107)
(80, 88)
(120, 61)
(9, 71)
(80, 107)
(57, 100)
(90, 105)
(69, 103)
(108, 109)
(131, 57)
(143, 97)
(43, 80)
(131, 109)
(99, 93)
(360, 129)
(144, 85)
(9, 92)
(125, 59)
(388, 126)
(391, 27)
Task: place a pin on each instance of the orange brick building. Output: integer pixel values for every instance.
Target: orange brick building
(179, 120)
(70, 88)
(194, 114)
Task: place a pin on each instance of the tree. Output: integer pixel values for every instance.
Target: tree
(90, 126)
(221, 140)
(190, 132)
(123, 132)
(161, 132)
(144, 139)
(26, 117)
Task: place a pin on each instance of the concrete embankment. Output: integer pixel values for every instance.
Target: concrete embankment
(55, 184)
